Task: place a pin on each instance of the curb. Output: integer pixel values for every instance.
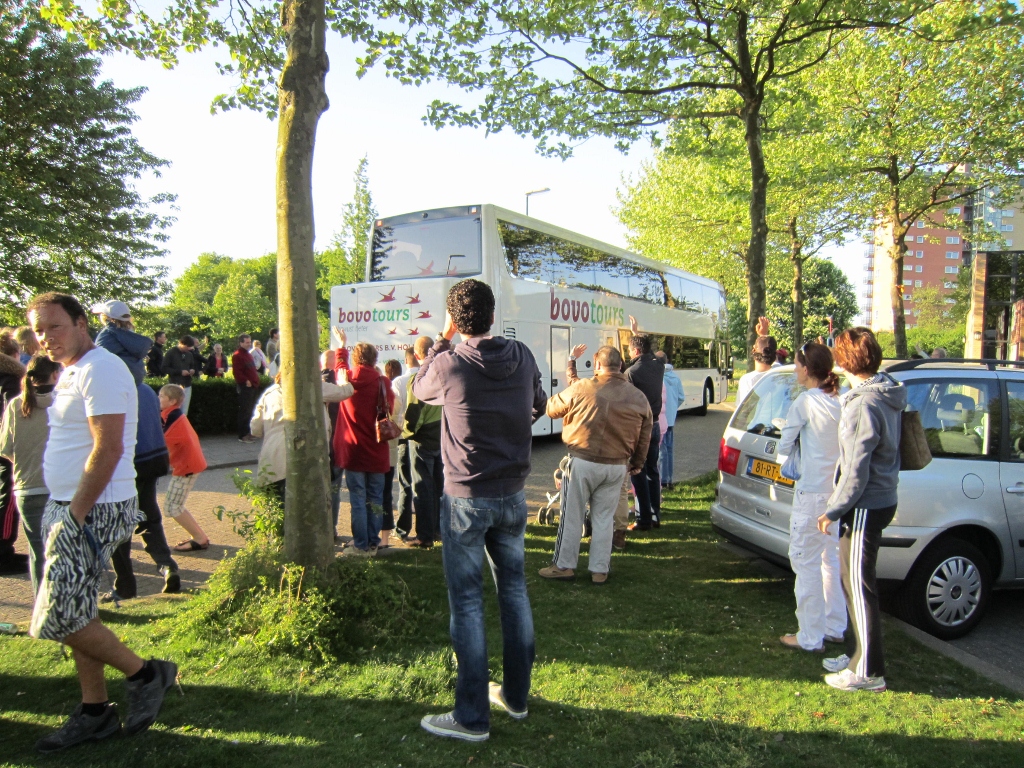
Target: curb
(230, 464)
(987, 670)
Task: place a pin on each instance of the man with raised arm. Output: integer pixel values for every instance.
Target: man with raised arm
(490, 389)
(606, 425)
(92, 509)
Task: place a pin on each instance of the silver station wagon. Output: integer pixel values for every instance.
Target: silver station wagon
(959, 527)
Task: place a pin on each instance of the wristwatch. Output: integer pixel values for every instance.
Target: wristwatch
(572, 359)
(440, 337)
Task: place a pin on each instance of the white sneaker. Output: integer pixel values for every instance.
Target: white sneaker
(497, 697)
(836, 664)
(848, 681)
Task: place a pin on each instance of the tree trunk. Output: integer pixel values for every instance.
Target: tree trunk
(755, 258)
(796, 256)
(897, 231)
(308, 539)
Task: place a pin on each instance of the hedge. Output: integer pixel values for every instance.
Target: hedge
(213, 409)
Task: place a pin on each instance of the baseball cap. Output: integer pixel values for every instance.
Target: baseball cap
(112, 308)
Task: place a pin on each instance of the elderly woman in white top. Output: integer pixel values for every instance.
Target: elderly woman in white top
(812, 427)
(268, 423)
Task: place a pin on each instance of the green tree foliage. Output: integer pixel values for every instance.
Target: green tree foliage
(828, 292)
(921, 123)
(70, 217)
(690, 204)
(241, 307)
(344, 261)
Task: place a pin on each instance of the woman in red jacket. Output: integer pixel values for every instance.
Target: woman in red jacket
(356, 449)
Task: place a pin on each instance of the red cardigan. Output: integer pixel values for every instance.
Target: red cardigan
(355, 438)
(244, 369)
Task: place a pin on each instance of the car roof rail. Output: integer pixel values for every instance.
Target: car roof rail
(990, 363)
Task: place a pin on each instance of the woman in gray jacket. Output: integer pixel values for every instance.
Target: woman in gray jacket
(864, 502)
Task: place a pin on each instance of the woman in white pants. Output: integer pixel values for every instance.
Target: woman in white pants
(813, 421)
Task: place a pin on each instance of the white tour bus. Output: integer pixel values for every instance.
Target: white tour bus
(554, 289)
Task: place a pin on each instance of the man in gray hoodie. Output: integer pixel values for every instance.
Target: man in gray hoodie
(864, 502)
(490, 391)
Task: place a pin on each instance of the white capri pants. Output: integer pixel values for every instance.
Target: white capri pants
(814, 556)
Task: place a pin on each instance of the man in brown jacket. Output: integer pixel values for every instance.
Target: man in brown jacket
(606, 425)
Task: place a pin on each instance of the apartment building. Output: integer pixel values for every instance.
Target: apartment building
(935, 256)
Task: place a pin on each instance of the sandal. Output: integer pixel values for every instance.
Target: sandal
(190, 545)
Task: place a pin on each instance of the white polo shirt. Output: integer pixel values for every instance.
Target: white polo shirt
(97, 385)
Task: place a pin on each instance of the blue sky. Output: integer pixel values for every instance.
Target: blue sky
(222, 165)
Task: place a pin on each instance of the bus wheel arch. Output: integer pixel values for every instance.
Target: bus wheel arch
(708, 397)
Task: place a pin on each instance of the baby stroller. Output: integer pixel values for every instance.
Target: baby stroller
(551, 512)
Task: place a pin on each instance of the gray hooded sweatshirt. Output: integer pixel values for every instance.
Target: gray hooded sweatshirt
(868, 471)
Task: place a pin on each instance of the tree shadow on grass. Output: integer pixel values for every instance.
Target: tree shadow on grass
(223, 726)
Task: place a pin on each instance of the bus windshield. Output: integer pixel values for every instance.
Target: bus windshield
(449, 247)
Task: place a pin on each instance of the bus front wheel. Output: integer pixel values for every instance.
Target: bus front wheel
(709, 396)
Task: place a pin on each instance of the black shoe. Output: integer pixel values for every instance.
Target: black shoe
(80, 728)
(115, 597)
(172, 581)
(14, 563)
(145, 699)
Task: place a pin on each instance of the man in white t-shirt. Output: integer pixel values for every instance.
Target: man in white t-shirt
(93, 508)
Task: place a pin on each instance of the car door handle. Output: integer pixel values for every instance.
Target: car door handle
(1015, 489)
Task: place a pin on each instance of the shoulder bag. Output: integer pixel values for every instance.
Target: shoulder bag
(914, 451)
(790, 468)
(386, 428)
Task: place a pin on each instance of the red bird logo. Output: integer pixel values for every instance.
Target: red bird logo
(423, 316)
(414, 299)
(390, 296)
(413, 331)
(392, 331)
(428, 270)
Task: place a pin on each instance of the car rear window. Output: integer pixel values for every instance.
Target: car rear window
(769, 401)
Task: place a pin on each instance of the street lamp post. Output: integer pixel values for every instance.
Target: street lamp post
(534, 192)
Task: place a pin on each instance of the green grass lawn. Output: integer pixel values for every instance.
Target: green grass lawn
(674, 662)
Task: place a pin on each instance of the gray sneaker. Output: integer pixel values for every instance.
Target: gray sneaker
(445, 725)
(80, 728)
(836, 664)
(497, 697)
(145, 699)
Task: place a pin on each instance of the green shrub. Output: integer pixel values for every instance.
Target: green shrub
(265, 516)
(213, 409)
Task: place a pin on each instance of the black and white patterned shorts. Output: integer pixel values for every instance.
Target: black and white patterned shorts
(76, 557)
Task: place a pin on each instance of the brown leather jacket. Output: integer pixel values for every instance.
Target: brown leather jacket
(604, 419)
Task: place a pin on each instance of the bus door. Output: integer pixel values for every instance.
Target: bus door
(558, 357)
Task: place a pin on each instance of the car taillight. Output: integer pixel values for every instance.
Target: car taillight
(728, 458)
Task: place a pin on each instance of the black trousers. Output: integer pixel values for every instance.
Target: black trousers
(154, 541)
(427, 486)
(404, 472)
(860, 534)
(8, 509)
(647, 482)
(247, 397)
(388, 520)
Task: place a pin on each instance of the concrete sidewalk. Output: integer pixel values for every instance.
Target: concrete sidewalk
(227, 451)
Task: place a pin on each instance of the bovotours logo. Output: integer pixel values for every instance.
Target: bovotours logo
(406, 315)
(578, 311)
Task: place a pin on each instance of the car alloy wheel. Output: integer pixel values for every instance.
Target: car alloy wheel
(954, 591)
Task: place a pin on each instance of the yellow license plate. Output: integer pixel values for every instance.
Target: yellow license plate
(768, 470)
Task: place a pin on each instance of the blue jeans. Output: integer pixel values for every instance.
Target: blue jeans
(666, 458)
(471, 529)
(366, 496)
(337, 475)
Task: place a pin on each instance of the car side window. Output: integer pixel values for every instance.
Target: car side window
(1015, 404)
(768, 403)
(960, 417)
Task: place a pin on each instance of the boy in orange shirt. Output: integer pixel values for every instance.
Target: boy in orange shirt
(187, 461)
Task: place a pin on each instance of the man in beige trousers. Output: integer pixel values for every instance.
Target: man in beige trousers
(606, 426)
